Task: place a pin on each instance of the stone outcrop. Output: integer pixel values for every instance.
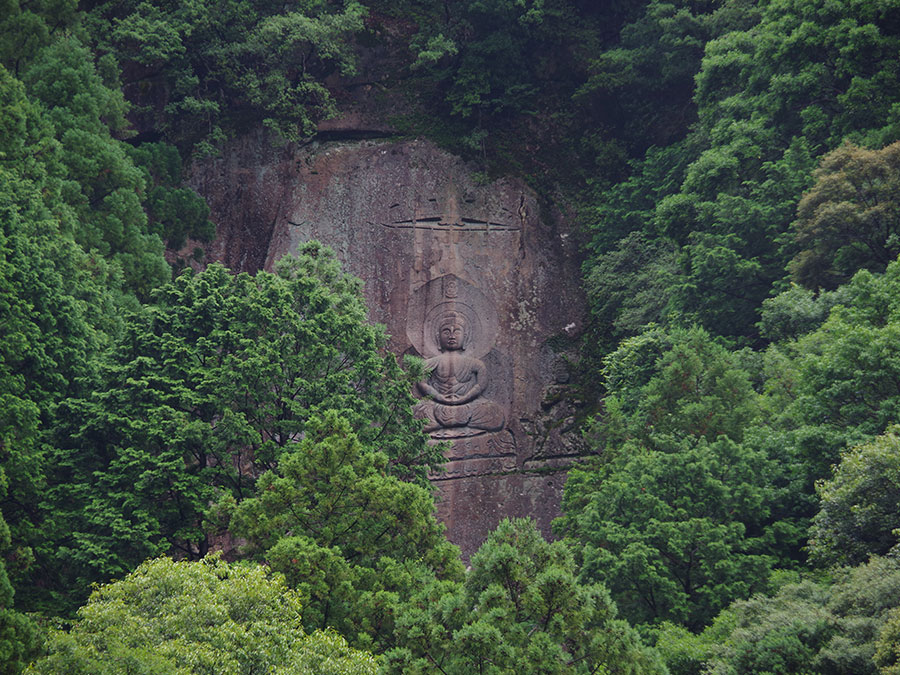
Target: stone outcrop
(469, 275)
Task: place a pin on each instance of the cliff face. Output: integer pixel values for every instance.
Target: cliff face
(439, 252)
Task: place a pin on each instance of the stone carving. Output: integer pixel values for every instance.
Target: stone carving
(454, 406)
(447, 215)
(453, 336)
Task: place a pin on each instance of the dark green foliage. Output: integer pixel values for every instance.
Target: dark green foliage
(644, 85)
(175, 213)
(218, 65)
(495, 80)
(202, 392)
(264, 408)
(771, 98)
(522, 609)
(478, 56)
(352, 539)
(629, 206)
(19, 636)
(27, 27)
(55, 306)
(628, 287)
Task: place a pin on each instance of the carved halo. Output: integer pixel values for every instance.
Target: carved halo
(446, 294)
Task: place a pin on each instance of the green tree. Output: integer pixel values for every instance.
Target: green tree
(795, 312)
(205, 390)
(174, 212)
(613, 212)
(98, 181)
(676, 529)
(829, 628)
(887, 647)
(218, 65)
(350, 538)
(197, 617)
(628, 287)
(57, 305)
(19, 636)
(771, 97)
(850, 219)
(521, 609)
(643, 85)
(859, 504)
(25, 28)
(680, 383)
(846, 371)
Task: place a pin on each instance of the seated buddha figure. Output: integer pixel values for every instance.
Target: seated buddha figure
(455, 384)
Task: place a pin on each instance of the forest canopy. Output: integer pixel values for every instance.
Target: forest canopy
(732, 167)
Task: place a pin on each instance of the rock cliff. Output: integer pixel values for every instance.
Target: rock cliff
(441, 252)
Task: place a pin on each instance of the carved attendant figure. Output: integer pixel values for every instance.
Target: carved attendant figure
(455, 385)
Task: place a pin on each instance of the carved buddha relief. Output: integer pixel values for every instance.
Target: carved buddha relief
(454, 404)
(453, 326)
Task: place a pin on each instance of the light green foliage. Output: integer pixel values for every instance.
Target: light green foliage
(197, 617)
(829, 628)
(800, 49)
(796, 312)
(846, 389)
(352, 539)
(205, 390)
(682, 651)
(858, 516)
(435, 48)
(887, 647)
(220, 64)
(850, 219)
(520, 609)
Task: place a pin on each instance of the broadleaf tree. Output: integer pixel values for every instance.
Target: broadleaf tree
(203, 391)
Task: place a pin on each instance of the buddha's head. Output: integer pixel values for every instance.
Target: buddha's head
(453, 332)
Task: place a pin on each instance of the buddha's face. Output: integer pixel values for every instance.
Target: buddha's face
(452, 336)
